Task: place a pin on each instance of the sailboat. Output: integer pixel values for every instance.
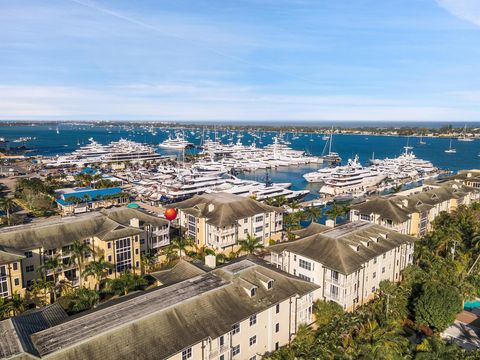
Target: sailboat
(451, 150)
(407, 147)
(464, 135)
(421, 141)
(58, 131)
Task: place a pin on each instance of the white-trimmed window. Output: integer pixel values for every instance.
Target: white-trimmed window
(235, 329)
(305, 264)
(123, 254)
(253, 340)
(187, 354)
(236, 350)
(3, 282)
(253, 320)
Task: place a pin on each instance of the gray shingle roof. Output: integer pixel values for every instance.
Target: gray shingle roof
(55, 233)
(337, 248)
(228, 208)
(385, 207)
(163, 322)
(8, 255)
(183, 270)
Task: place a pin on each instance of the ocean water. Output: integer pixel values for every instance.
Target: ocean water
(71, 136)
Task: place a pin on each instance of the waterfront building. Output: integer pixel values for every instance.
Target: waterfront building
(118, 234)
(348, 262)
(237, 311)
(412, 211)
(220, 220)
(80, 200)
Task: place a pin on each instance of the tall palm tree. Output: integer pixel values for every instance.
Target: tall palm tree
(41, 287)
(312, 213)
(335, 211)
(98, 269)
(251, 244)
(53, 264)
(181, 244)
(7, 204)
(79, 252)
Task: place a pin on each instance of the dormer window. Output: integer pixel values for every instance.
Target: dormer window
(269, 284)
(253, 292)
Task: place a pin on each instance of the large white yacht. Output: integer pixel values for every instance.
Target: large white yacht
(114, 152)
(322, 174)
(354, 181)
(177, 143)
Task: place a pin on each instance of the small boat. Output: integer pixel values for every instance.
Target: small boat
(421, 141)
(451, 150)
(464, 135)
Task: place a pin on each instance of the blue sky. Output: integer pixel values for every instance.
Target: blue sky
(240, 60)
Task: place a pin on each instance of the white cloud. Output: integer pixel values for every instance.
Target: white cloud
(468, 10)
(208, 101)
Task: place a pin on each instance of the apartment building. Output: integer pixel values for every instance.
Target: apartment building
(237, 311)
(10, 272)
(119, 234)
(348, 262)
(412, 211)
(220, 220)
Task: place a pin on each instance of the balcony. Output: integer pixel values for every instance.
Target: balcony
(159, 244)
(215, 353)
(336, 281)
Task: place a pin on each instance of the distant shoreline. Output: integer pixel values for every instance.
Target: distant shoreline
(441, 129)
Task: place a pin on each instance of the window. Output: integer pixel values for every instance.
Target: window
(294, 257)
(277, 308)
(334, 291)
(245, 231)
(335, 275)
(137, 264)
(221, 340)
(192, 226)
(236, 350)
(136, 251)
(383, 269)
(306, 278)
(235, 329)
(259, 218)
(15, 266)
(253, 320)
(373, 289)
(384, 255)
(269, 284)
(123, 254)
(17, 281)
(277, 327)
(28, 254)
(245, 220)
(109, 258)
(3, 282)
(254, 357)
(253, 292)
(29, 268)
(142, 241)
(253, 340)
(374, 275)
(305, 264)
(258, 229)
(365, 217)
(109, 245)
(277, 346)
(187, 354)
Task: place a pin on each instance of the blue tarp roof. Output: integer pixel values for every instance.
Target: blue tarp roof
(93, 193)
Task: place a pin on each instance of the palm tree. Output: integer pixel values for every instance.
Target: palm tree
(83, 299)
(126, 282)
(335, 211)
(7, 204)
(312, 213)
(41, 286)
(53, 264)
(98, 269)
(148, 261)
(170, 253)
(251, 244)
(14, 306)
(181, 243)
(79, 252)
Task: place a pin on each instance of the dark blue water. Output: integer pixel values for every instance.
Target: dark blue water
(48, 142)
